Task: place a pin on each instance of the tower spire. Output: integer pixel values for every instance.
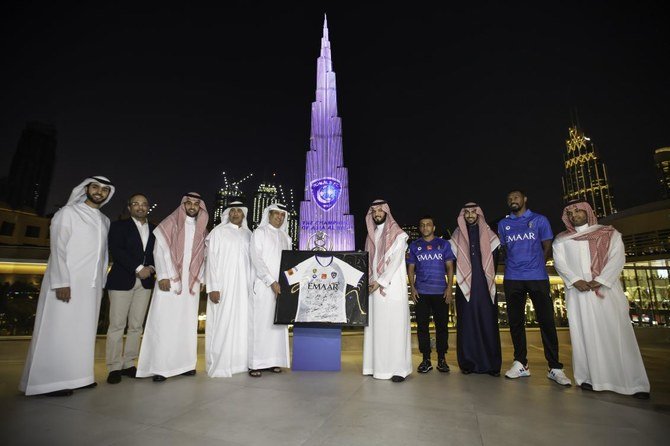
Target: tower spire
(324, 212)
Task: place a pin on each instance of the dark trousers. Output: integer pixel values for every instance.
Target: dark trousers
(435, 304)
(515, 295)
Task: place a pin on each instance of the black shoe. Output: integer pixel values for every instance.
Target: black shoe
(641, 395)
(189, 373)
(586, 386)
(442, 365)
(494, 374)
(64, 392)
(397, 379)
(425, 366)
(130, 372)
(159, 378)
(90, 386)
(114, 377)
(466, 372)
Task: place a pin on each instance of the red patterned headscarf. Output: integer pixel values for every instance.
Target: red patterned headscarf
(390, 232)
(488, 241)
(172, 230)
(599, 239)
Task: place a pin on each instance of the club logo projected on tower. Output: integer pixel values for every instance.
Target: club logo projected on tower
(325, 192)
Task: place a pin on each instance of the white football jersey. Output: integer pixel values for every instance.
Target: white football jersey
(323, 284)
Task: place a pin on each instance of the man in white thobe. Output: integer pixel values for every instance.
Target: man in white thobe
(170, 342)
(268, 343)
(387, 348)
(228, 279)
(62, 349)
(589, 258)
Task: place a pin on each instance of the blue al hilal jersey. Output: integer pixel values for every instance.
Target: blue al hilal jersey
(523, 237)
(430, 270)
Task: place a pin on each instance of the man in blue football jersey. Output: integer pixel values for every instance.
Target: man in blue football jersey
(527, 238)
(430, 258)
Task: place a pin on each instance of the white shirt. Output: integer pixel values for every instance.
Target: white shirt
(143, 228)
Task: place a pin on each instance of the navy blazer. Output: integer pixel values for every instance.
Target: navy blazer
(125, 247)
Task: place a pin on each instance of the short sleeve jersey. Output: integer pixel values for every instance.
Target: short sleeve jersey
(323, 283)
(522, 237)
(428, 259)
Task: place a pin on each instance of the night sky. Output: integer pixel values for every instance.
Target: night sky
(439, 107)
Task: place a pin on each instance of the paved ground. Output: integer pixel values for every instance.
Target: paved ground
(345, 408)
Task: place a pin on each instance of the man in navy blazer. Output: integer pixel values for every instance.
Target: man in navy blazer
(129, 283)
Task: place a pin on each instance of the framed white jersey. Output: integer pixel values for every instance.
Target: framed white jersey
(323, 288)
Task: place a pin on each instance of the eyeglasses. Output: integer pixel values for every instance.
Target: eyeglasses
(139, 204)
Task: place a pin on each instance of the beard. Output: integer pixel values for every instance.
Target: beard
(379, 221)
(514, 207)
(94, 200)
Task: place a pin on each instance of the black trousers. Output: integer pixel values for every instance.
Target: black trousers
(435, 304)
(516, 292)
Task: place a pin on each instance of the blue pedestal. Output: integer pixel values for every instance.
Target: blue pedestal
(317, 349)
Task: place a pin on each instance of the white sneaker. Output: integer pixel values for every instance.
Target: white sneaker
(558, 375)
(517, 370)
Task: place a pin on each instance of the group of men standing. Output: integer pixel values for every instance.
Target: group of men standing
(588, 257)
(241, 273)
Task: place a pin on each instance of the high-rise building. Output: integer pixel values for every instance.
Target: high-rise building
(269, 193)
(29, 180)
(228, 193)
(325, 221)
(265, 195)
(585, 174)
(662, 159)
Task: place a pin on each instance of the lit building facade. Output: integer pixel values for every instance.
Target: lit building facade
(228, 193)
(645, 232)
(22, 228)
(412, 232)
(263, 197)
(585, 174)
(325, 221)
(662, 159)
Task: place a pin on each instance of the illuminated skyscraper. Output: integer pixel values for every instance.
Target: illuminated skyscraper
(325, 221)
(585, 174)
(264, 197)
(228, 193)
(269, 193)
(662, 158)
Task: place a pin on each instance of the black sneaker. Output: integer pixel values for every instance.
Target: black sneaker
(64, 392)
(586, 386)
(425, 366)
(398, 379)
(130, 372)
(114, 377)
(641, 395)
(442, 365)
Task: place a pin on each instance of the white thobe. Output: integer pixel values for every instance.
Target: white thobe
(170, 342)
(62, 349)
(268, 343)
(387, 345)
(228, 271)
(605, 353)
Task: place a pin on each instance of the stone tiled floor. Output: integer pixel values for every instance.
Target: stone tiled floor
(345, 408)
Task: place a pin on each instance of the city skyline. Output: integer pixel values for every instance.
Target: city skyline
(486, 89)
